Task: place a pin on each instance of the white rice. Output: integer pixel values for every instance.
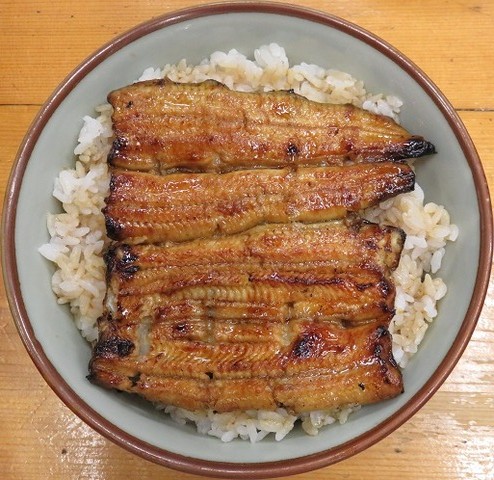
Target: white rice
(78, 236)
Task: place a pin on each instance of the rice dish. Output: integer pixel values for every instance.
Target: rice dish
(78, 240)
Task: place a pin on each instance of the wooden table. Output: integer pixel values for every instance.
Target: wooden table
(452, 437)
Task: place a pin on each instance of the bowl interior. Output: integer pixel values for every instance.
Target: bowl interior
(305, 39)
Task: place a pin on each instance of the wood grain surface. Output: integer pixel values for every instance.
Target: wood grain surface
(452, 437)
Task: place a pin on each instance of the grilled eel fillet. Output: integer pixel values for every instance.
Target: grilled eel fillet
(150, 208)
(162, 126)
(289, 315)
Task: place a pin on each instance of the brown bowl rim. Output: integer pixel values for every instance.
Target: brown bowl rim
(228, 469)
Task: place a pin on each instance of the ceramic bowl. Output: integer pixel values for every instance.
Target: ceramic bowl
(46, 328)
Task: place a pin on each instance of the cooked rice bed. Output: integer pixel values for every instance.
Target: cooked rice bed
(77, 238)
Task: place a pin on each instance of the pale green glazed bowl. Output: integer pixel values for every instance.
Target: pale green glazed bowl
(454, 178)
